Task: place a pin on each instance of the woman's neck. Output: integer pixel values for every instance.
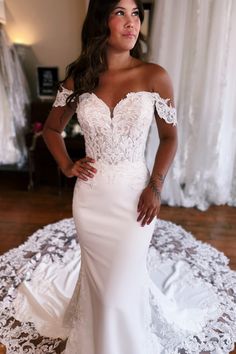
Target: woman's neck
(119, 61)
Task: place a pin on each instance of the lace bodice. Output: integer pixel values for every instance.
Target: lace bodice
(119, 135)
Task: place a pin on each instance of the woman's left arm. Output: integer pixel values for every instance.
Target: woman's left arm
(150, 199)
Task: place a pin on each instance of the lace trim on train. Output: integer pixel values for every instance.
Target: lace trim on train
(169, 240)
(18, 265)
(210, 265)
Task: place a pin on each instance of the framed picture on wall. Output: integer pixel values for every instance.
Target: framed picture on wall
(146, 25)
(148, 9)
(47, 78)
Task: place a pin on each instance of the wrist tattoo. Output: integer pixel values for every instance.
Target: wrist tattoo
(154, 188)
(160, 177)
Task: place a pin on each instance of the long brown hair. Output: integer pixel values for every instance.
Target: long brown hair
(92, 61)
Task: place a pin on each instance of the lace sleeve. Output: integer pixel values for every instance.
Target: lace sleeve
(61, 96)
(165, 111)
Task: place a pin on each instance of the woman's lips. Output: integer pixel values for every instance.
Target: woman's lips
(129, 35)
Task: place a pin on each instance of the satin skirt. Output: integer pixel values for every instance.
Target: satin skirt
(98, 292)
(111, 316)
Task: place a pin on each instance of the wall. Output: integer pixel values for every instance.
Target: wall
(50, 28)
(49, 31)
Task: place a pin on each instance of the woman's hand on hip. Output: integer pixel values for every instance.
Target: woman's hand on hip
(81, 169)
(149, 205)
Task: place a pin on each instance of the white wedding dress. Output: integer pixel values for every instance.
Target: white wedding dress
(136, 290)
(113, 312)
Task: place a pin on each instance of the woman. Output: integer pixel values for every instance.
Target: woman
(114, 93)
(180, 299)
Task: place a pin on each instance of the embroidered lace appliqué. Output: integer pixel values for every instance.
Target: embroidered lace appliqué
(18, 265)
(165, 111)
(61, 97)
(122, 137)
(169, 242)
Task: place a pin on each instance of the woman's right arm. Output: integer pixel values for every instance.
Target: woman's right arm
(56, 122)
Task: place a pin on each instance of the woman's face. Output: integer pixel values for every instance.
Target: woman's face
(124, 24)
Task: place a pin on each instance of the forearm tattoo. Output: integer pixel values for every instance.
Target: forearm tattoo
(154, 188)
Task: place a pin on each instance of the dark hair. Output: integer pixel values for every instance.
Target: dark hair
(86, 69)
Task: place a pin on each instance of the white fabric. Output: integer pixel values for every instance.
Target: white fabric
(195, 41)
(14, 98)
(106, 236)
(43, 300)
(128, 289)
(119, 306)
(191, 276)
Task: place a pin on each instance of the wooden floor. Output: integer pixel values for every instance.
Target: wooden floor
(22, 212)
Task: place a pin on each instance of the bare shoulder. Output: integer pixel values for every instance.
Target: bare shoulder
(159, 81)
(69, 84)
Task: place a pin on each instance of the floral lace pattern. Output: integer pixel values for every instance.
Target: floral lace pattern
(210, 265)
(62, 94)
(18, 265)
(120, 135)
(169, 242)
(136, 174)
(165, 111)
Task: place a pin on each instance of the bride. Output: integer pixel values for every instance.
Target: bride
(144, 286)
(115, 201)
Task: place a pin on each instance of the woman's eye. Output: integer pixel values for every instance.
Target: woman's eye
(135, 13)
(120, 12)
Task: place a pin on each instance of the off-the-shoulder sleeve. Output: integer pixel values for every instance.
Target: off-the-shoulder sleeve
(165, 110)
(61, 96)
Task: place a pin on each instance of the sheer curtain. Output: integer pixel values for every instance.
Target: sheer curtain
(14, 98)
(195, 41)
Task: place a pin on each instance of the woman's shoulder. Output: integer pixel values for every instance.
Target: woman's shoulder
(151, 68)
(68, 84)
(159, 80)
(155, 72)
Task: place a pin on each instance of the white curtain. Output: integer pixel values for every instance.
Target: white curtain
(195, 40)
(14, 98)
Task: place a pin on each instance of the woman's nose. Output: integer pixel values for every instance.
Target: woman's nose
(129, 22)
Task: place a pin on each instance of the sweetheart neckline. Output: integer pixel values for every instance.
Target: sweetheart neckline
(112, 109)
(122, 99)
